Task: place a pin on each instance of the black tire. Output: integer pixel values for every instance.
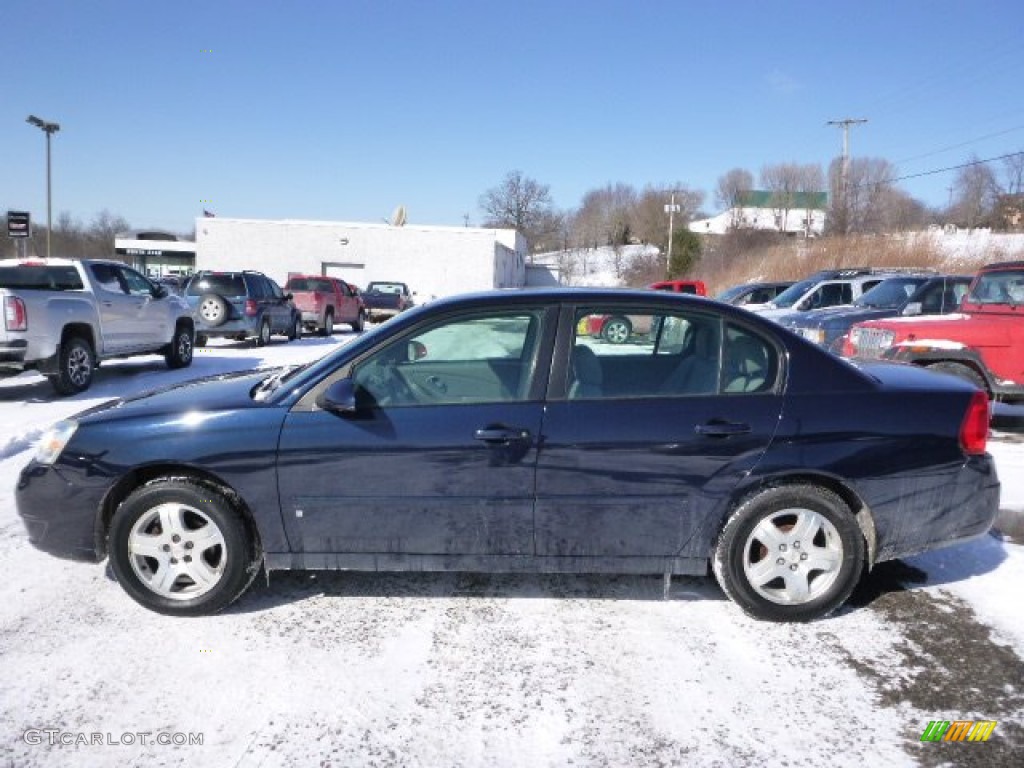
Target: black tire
(961, 370)
(201, 340)
(360, 322)
(295, 332)
(213, 309)
(76, 364)
(180, 548)
(328, 330)
(263, 337)
(616, 330)
(179, 353)
(784, 532)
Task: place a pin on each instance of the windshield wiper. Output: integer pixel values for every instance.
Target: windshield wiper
(271, 383)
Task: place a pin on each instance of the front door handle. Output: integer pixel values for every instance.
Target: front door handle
(722, 429)
(501, 434)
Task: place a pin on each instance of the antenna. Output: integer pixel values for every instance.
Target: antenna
(398, 217)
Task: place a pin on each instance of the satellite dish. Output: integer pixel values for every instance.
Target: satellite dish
(398, 217)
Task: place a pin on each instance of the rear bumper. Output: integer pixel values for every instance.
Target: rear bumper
(247, 327)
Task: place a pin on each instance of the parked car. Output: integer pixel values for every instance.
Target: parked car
(753, 295)
(63, 316)
(693, 287)
(324, 301)
(483, 433)
(615, 329)
(241, 305)
(980, 343)
(828, 288)
(384, 299)
(904, 296)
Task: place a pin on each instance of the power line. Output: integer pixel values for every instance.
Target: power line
(937, 170)
(961, 144)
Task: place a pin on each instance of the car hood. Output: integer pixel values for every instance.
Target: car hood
(229, 391)
(841, 315)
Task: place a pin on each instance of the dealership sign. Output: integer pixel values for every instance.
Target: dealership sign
(18, 224)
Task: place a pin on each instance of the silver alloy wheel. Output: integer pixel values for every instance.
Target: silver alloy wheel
(616, 332)
(265, 333)
(177, 551)
(79, 367)
(792, 556)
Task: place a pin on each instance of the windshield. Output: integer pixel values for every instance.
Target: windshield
(226, 285)
(310, 284)
(890, 294)
(731, 293)
(793, 294)
(1002, 287)
(384, 288)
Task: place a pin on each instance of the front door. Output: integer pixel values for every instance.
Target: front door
(439, 457)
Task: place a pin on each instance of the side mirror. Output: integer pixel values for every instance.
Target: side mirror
(288, 297)
(913, 308)
(159, 292)
(338, 398)
(415, 351)
(804, 305)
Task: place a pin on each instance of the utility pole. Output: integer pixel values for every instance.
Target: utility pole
(49, 129)
(671, 209)
(845, 168)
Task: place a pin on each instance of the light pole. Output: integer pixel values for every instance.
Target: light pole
(49, 129)
(671, 209)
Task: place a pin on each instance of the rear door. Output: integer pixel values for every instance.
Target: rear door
(642, 439)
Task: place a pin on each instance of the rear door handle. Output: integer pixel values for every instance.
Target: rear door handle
(722, 429)
(501, 434)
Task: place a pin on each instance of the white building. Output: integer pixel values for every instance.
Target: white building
(803, 214)
(432, 261)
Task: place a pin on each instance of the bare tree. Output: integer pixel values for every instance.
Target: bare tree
(730, 190)
(975, 191)
(604, 217)
(650, 222)
(519, 203)
(870, 203)
(1013, 172)
(783, 181)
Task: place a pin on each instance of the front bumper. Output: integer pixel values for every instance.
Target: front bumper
(60, 516)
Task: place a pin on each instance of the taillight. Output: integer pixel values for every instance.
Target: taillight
(974, 429)
(250, 308)
(15, 316)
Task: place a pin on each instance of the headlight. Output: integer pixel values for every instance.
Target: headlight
(53, 441)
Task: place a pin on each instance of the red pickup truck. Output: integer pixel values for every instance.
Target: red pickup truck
(325, 301)
(981, 343)
(695, 287)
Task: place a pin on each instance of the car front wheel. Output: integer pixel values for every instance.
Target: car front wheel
(790, 553)
(179, 354)
(180, 548)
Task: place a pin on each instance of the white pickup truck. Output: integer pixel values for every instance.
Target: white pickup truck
(63, 316)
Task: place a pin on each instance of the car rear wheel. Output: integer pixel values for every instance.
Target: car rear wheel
(263, 337)
(75, 367)
(213, 309)
(181, 548)
(328, 329)
(616, 330)
(179, 354)
(790, 553)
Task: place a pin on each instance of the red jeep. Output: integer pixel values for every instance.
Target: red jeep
(325, 301)
(695, 287)
(981, 343)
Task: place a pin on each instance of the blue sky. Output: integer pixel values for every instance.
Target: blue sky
(342, 110)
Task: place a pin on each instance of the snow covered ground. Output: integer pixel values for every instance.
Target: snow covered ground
(336, 669)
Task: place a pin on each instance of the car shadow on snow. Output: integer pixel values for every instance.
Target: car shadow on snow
(286, 587)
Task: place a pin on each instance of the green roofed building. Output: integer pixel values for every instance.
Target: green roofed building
(793, 213)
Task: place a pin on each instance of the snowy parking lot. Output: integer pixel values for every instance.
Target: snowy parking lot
(341, 669)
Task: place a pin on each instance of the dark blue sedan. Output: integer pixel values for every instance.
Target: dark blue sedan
(488, 433)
